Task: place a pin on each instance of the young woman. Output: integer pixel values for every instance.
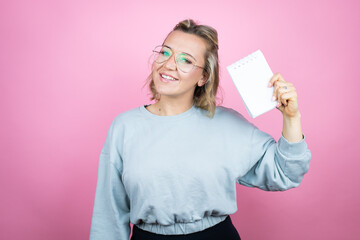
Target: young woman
(171, 167)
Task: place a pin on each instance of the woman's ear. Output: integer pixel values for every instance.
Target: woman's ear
(202, 81)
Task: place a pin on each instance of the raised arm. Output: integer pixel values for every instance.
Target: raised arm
(286, 95)
(281, 165)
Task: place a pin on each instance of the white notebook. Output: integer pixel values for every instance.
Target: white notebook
(251, 76)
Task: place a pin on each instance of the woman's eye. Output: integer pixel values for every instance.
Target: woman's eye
(185, 60)
(188, 61)
(165, 53)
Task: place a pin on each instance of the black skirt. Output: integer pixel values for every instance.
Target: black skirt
(224, 230)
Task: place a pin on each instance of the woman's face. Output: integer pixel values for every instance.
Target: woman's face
(181, 85)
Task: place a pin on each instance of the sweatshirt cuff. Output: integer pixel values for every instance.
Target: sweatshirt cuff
(290, 149)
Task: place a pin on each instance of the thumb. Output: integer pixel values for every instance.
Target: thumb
(281, 108)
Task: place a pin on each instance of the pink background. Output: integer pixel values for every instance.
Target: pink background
(67, 68)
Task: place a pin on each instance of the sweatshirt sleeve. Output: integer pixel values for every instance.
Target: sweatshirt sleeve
(111, 213)
(275, 166)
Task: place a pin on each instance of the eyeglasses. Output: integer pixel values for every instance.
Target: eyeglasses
(185, 62)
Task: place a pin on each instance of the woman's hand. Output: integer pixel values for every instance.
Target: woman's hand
(286, 96)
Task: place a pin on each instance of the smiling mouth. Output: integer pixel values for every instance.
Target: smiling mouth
(166, 77)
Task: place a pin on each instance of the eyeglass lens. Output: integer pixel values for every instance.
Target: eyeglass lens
(183, 61)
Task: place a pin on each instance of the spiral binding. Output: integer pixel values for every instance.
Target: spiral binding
(246, 60)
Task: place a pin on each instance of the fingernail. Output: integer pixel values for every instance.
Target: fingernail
(273, 98)
(278, 105)
(269, 85)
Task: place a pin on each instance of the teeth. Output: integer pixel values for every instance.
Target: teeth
(167, 77)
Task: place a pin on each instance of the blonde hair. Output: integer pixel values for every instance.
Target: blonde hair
(204, 96)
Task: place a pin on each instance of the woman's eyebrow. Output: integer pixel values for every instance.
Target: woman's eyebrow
(182, 52)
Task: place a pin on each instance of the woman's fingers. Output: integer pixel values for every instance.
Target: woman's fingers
(280, 88)
(285, 94)
(283, 91)
(276, 78)
(286, 97)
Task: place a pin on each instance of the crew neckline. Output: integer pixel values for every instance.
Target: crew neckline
(185, 114)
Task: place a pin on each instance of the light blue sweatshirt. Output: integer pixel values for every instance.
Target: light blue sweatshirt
(177, 174)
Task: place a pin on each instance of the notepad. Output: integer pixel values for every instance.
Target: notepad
(251, 76)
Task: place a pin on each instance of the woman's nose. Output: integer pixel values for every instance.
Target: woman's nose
(171, 63)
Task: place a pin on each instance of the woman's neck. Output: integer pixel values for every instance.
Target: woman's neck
(168, 107)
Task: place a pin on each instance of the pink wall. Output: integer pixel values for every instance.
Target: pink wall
(67, 68)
